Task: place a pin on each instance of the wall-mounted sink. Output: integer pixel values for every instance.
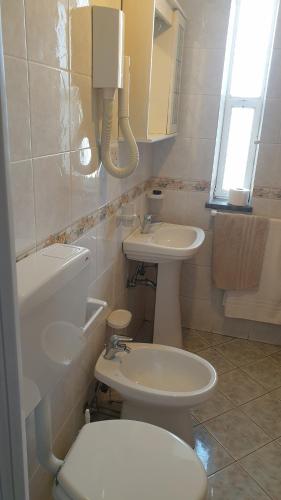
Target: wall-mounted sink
(163, 243)
(167, 245)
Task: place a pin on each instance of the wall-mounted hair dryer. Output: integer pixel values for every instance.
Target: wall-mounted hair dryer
(111, 71)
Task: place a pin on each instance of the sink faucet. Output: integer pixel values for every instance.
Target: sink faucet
(116, 343)
(147, 221)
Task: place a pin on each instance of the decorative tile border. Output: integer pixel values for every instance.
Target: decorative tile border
(179, 184)
(271, 193)
(83, 225)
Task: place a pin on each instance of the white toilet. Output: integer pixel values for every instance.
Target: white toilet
(127, 460)
(110, 460)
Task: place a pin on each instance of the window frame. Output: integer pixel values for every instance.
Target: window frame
(229, 102)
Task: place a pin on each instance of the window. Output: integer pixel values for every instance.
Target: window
(246, 70)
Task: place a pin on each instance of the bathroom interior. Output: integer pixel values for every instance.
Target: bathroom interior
(140, 270)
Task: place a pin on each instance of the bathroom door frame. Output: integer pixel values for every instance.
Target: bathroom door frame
(13, 456)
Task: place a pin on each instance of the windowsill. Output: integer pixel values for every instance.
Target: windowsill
(223, 205)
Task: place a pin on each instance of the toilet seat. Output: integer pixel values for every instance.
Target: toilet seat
(125, 460)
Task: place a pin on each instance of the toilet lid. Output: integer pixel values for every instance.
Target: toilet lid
(129, 460)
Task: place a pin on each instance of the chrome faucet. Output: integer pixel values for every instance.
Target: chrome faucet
(147, 221)
(116, 343)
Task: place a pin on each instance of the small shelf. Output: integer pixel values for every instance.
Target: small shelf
(223, 205)
(157, 138)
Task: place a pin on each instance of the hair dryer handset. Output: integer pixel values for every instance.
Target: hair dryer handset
(124, 123)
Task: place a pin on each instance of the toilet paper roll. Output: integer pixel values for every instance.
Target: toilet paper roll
(239, 197)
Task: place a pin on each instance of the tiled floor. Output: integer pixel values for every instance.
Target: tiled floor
(238, 432)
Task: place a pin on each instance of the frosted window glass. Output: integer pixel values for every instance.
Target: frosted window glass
(253, 39)
(238, 146)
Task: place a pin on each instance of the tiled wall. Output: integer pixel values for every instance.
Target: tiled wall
(183, 166)
(50, 106)
(47, 46)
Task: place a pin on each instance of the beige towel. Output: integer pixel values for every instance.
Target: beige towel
(238, 250)
(264, 303)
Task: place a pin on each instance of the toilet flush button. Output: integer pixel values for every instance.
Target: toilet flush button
(119, 319)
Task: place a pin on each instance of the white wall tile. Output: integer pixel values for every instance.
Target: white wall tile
(23, 205)
(277, 40)
(198, 215)
(107, 244)
(202, 71)
(274, 84)
(171, 158)
(264, 332)
(204, 256)
(274, 209)
(52, 194)
(49, 103)
(236, 327)
(13, 25)
(201, 159)
(84, 187)
(18, 108)
(196, 282)
(89, 240)
(199, 116)
(47, 32)
(207, 23)
(103, 287)
(203, 314)
(175, 207)
(261, 206)
(271, 127)
(82, 112)
(268, 165)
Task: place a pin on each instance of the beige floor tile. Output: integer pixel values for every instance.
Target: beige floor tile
(214, 339)
(218, 361)
(215, 406)
(267, 348)
(212, 455)
(194, 420)
(241, 352)
(264, 466)
(265, 412)
(233, 483)
(277, 357)
(193, 342)
(267, 372)
(238, 387)
(237, 433)
(276, 393)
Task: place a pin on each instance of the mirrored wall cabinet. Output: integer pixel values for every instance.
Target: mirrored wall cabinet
(154, 40)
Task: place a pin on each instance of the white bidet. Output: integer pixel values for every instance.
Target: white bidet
(159, 384)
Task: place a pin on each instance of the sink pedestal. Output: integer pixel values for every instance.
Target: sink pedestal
(167, 318)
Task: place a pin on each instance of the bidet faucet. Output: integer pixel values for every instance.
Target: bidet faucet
(116, 343)
(148, 219)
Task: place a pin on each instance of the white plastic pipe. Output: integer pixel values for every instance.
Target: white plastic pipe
(44, 438)
(123, 103)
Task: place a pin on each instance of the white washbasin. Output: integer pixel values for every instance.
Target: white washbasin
(164, 242)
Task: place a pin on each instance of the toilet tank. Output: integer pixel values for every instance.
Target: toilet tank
(52, 296)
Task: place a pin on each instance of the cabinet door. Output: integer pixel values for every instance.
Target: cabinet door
(177, 57)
